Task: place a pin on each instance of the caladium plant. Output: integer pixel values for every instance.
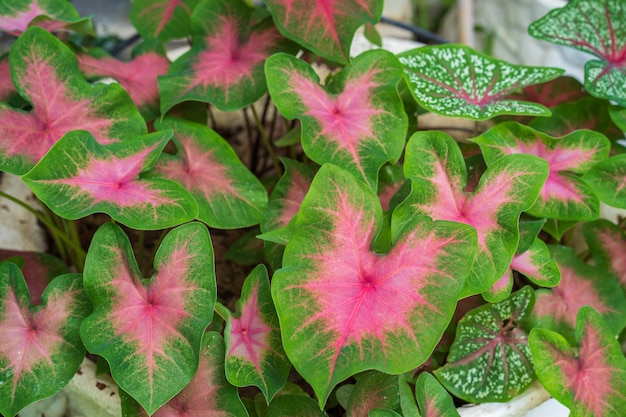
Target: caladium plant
(339, 278)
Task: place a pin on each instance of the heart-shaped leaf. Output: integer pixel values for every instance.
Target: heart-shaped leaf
(162, 19)
(150, 331)
(45, 73)
(138, 76)
(344, 308)
(563, 89)
(225, 64)
(324, 27)
(41, 347)
(228, 195)
(581, 285)
(589, 380)
(455, 80)
(357, 123)
(78, 177)
(607, 243)
(433, 399)
(434, 163)
(596, 27)
(608, 180)
(489, 359)
(255, 354)
(207, 395)
(374, 390)
(16, 16)
(565, 196)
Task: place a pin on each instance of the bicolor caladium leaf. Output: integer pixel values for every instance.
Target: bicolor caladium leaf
(295, 405)
(207, 395)
(590, 379)
(357, 122)
(41, 348)
(52, 15)
(374, 390)
(490, 359)
(596, 27)
(608, 180)
(7, 89)
(149, 331)
(344, 308)
(565, 195)
(433, 399)
(138, 76)
(456, 80)
(607, 243)
(563, 89)
(324, 27)
(227, 193)
(78, 177)
(225, 64)
(581, 285)
(162, 19)
(434, 163)
(45, 73)
(254, 352)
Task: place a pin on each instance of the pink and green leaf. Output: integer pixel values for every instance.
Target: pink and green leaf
(45, 73)
(489, 359)
(356, 123)
(581, 285)
(563, 89)
(326, 27)
(591, 379)
(138, 76)
(225, 64)
(565, 195)
(149, 331)
(455, 80)
(344, 308)
(227, 193)
(7, 89)
(607, 243)
(78, 177)
(434, 163)
(41, 347)
(162, 19)
(618, 114)
(291, 405)
(608, 180)
(52, 15)
(374, 390)
(254, 352)
(596, 27)
(433, 399)
(207, 395)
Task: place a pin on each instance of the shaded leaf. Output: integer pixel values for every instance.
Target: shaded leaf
(455, 80)
(563, 89)
(608, 180)
(162, 19)
(7, 89)
(374, 390)
(618, 114)
(78, 177)
(608, 246)
(16, 16)
(149, 331)
(295, 405)
(433, 399)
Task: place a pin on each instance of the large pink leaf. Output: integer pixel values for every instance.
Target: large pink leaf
(225, 64)
(162, 19)
(608, 246)
(356, 123)
(591, 379)
(16, 16)
(326, 27)
(46, 74)
(344, 308)
(149, 331)
(138, 77)
(565, 196)
(41, 347)
(435, 164)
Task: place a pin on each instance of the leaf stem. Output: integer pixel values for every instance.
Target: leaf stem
(266, 141)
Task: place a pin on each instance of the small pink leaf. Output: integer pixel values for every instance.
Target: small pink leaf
(357, 123)
(52, 15)
(149, 331)
(162, 19)
(255, 353)
(326, 27)
(589, 380)
(433, 399)
(41, 347)
(138, 77)
(608, 180)
(374, 390)
(344, 308)
(608, 246)
(225, 64)
(537, 265)
(581, 285)
(45, 73)
(565, 196)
